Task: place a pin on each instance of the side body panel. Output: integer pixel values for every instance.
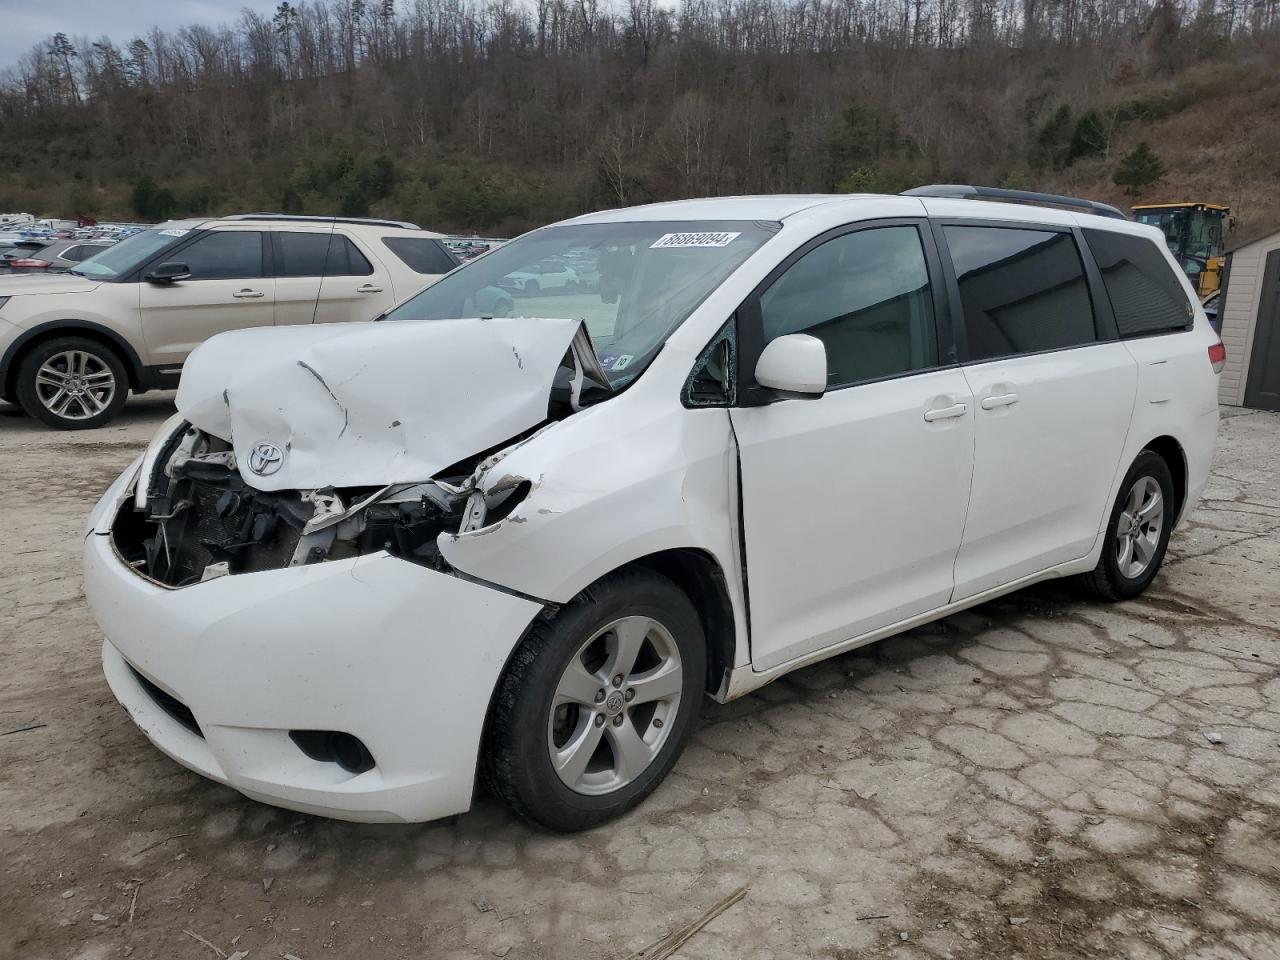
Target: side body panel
(853, 508)
(1043, 464)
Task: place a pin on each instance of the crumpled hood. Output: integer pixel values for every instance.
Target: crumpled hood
(20, 284)
(367, 404)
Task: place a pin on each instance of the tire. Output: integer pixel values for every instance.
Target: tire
(532, 717)
(1115, 578)
(531, 288)
(97, 383)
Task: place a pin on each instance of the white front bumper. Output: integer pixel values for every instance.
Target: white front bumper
(402, 657)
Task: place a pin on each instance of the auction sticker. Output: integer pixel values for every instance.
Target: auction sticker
(174, 233)
(694, 240)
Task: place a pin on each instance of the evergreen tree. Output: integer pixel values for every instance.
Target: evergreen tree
(1089, 139)
(1138, 168)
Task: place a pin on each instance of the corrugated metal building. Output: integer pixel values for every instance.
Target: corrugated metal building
(1250, 312)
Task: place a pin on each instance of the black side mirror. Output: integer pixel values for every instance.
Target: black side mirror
(168, 273)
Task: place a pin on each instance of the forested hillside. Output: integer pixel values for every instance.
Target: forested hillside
(492, 116)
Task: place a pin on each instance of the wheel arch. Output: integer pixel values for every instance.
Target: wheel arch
(1171, 452)
(32, 338)
(699, 576)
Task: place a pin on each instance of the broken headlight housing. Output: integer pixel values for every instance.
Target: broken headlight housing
(194, 518)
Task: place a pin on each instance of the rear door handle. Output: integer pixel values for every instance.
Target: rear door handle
(945, 413)
(368, 288)
(247, 294)
(999, 400)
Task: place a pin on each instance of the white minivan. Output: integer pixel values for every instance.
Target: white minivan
(366, 565)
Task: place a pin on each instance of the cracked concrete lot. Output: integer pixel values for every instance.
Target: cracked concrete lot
(1040, 777)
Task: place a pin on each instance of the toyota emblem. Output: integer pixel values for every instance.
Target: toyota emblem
(265, 458)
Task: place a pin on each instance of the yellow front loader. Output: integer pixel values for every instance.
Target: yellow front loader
(1194, 232)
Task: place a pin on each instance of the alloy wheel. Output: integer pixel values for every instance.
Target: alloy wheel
(1138, 528)
(75, 385)
(615, 705)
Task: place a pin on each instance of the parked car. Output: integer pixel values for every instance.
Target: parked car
(541, 277)
(364, 564)
(55, 257)
(72, 346)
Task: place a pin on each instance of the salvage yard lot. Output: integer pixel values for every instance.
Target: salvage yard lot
(1041, 776)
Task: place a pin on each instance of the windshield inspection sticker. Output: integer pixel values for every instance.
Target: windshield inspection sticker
(694, 240)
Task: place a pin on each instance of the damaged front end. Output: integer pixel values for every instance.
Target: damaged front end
(199, 511)
(198, 519)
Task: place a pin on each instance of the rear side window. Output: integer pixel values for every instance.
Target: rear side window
(1023, 291)
(319, 254)
(866, 296)
(421, 254)
(1146, 294)
(225, 255)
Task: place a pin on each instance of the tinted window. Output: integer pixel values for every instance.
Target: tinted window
(226, 255)
(1023, 291)
(865, 295)
(1145, 292)
(420, 254)
(305, 254)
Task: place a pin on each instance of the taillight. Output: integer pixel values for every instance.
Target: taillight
(29, 263)
(1218, 356)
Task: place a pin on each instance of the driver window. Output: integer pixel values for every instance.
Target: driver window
(224, 255)
(866, 296)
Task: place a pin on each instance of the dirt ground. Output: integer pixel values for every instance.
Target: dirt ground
(1040, 777)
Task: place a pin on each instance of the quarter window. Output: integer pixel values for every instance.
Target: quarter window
(1023, 291)
(1146, 294)
(319, 254)
(225, 255)
(421, 254)
(866, 296)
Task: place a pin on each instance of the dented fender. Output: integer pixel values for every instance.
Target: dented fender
(595, 496)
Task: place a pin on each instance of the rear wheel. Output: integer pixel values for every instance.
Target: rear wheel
(1137, 532)
(72, 383)
(597, 704)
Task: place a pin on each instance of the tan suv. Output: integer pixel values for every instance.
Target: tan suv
(72, 346)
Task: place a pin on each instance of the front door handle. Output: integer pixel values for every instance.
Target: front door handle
(368, 288)
(999, 400)
(945, 413)
(247, 294)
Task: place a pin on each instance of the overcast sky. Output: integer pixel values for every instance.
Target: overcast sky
(24, 23)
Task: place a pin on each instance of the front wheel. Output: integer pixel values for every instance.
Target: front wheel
(72, 383)
(1137, 532)
(597, 703)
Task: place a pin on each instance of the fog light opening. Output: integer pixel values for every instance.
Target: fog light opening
(334, 746)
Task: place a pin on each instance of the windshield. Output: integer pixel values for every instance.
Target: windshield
(631, 283)
(124, 256)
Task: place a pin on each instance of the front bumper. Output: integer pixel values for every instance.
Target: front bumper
(401, 656)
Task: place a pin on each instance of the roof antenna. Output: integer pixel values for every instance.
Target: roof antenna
(324, 267)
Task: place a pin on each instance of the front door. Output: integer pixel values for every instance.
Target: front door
(854, 502)
(1053, 403)
(1262, 388)
(229, 289)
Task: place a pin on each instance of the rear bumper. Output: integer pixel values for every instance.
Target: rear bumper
(402, 657)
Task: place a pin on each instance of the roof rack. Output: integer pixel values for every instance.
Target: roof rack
(367, 221)
(959, 191)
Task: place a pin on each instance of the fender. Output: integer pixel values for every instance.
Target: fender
(139, 377)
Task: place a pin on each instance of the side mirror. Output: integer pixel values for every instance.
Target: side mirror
(168, 273)
(795, 364)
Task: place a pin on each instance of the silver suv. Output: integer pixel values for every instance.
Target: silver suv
(72, 346)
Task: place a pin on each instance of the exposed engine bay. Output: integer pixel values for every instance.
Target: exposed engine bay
(200, 519)
(337, 410)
